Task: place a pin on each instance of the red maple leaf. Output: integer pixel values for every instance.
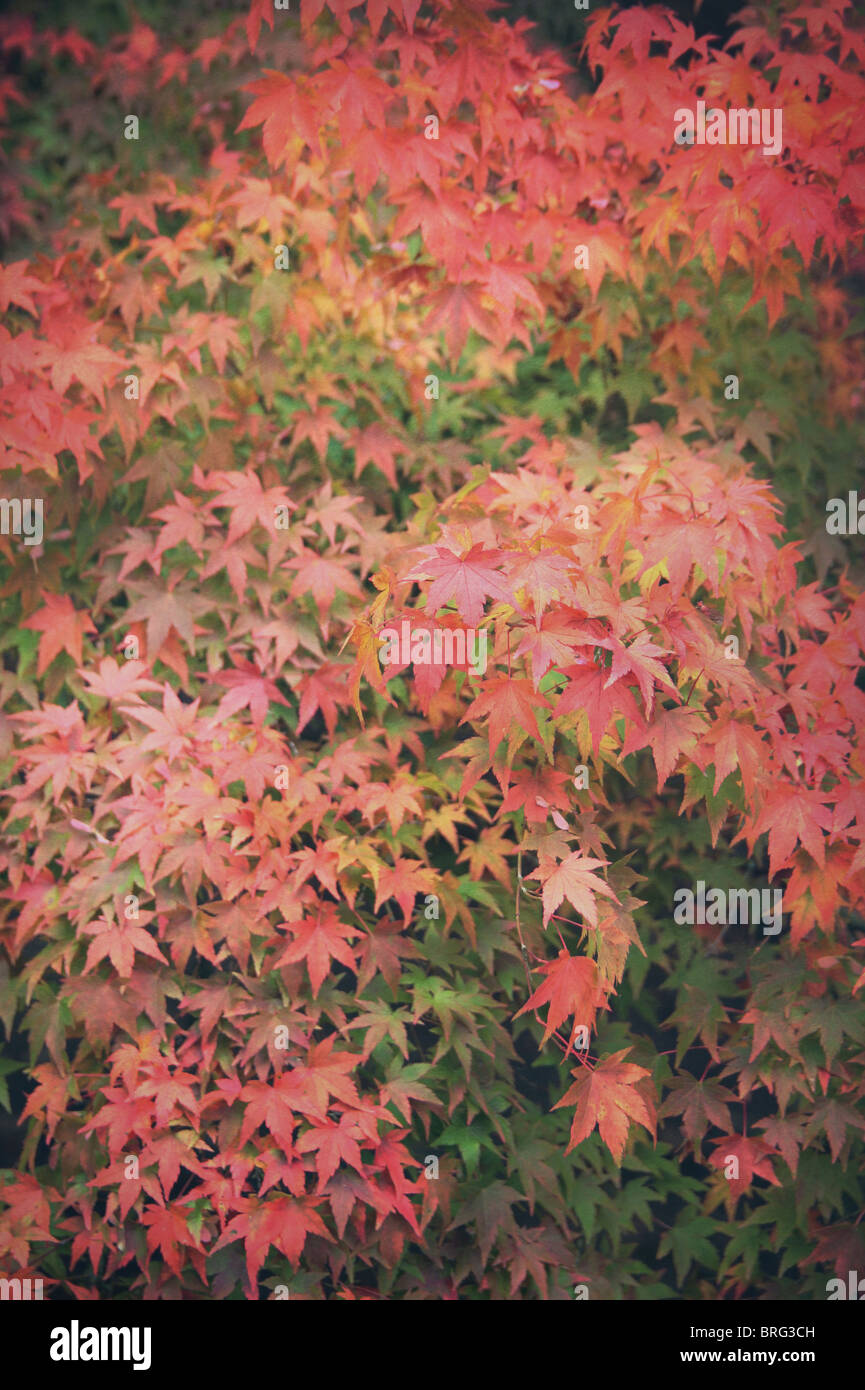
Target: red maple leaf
(94, 365)
(333, 1144)
(745, 1159)
(403, 881)
(468, 579)
(114, 682)
(318, 941)
(248, 688)
(612, 1095)
(119, 941)
(671, 733)
(792, 816)
(167, 1230)
(62, 629)
(589, 691)
(324, 1073)
(571, 987)
(376, 444)
(15, 287)
(510, 705)
(164, 608)
(281, 1221)
(325, 689)
(538, 794)
(322, 576)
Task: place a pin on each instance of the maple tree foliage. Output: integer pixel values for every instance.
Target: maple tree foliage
(280, 921)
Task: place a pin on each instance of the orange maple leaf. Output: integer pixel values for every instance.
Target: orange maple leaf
(612, 1095)
(62, 628)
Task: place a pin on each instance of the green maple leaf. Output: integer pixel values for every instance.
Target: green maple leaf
(688, 1241)
(469, 1141)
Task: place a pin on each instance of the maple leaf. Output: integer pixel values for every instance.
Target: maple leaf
(509, 704)
(256, 201)
(333, 1144)
(793, 815)
(322, 576)
(324, 1073)
(281, 107)
(166, 608)
(572, 879)
(119, 941)
(100, 1007)
(681, 542)
(469, 579)
(403, 881)
(136, 207)
(729, 744)
(323, 861)
(636, 29)
(700, 1103)
(487, 855)
(331, 512)
(834, 1119)
(380, 1021)
(318, 941)
(671, 734)
(51, 1097)
(247, 688)
(28, 1217)
(571, 987)
(376, 444)
(699, 1013)
(317, 426)
(282, 1222)
(183, 523)
(342, 1193)
(324, 689)
(551, 643)
(445, 227)
(799, 211)
(169, 1090)
(122, 1115)
(507, 283)
(444, 822)
(612, 1095)
(587, 691)
(260, 11)
(543, 577)
(398, 799)
(843, 1244)
(383, 951)
(209, 271)
(786, 1135)
(689, 1243)
(62, 629)
(173, 726)
(90, 363)
(750, 1158)
(248, 502)
(491, 1213)
(624, 509)
(539, 795)
(15, 287)
(276, 1107)
(114, 682)
(639, 659)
